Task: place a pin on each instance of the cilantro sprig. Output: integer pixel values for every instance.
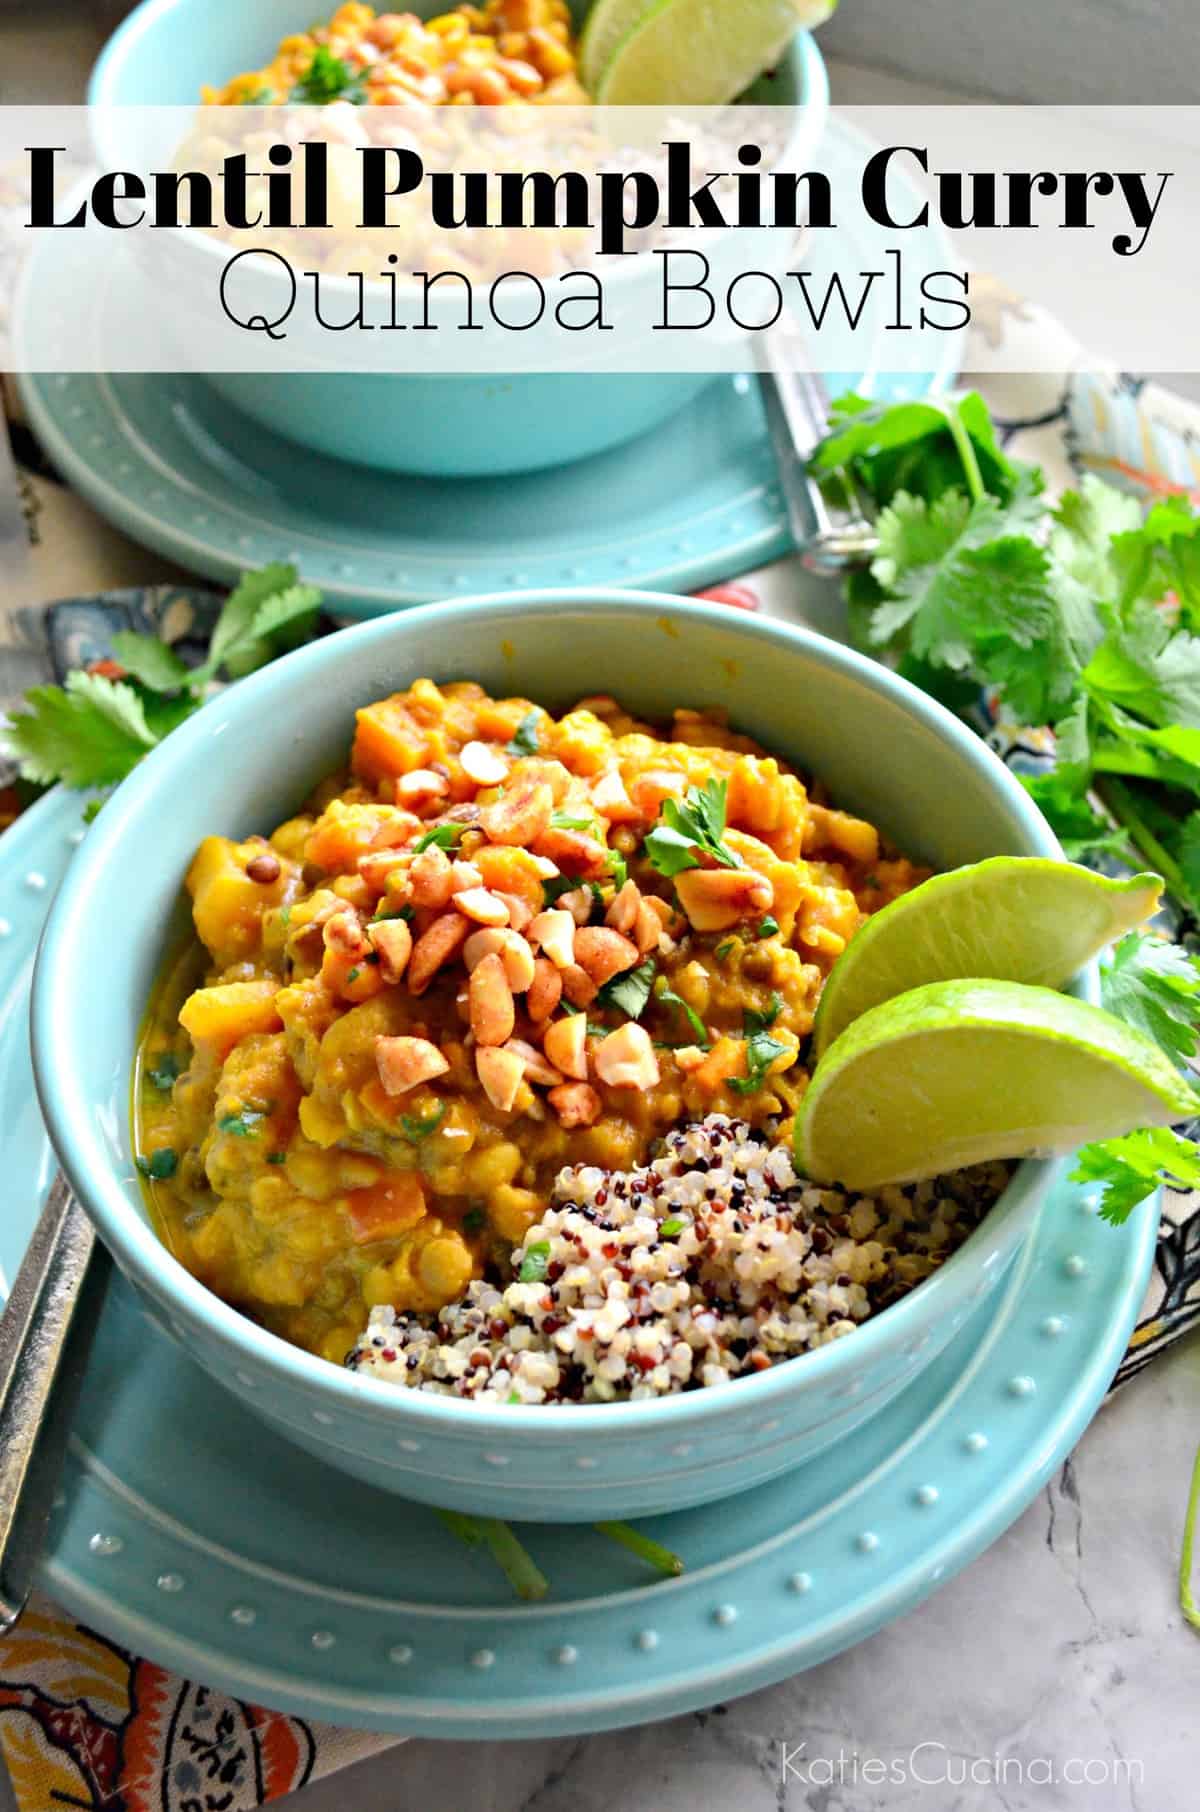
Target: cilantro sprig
(690, 828)
(762, 1048)
(328, 78)
(94, 729)
(1083, 615)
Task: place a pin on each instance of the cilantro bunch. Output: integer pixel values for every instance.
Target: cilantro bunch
(95, 728)
(1084, 616)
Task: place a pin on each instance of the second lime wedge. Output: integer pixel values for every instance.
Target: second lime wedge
(1015, 918)
(688, 53)
(960, 1072)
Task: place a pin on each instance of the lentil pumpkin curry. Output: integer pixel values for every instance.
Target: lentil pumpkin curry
(500, 944)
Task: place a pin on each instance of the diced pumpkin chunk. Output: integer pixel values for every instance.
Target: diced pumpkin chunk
(386, 1208)
(220, 1016)
(227, 906)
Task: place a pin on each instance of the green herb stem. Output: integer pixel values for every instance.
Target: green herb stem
(1187, 1602)
(1120, 802)
(652, 1552)
(966, 452)
(515, 1562)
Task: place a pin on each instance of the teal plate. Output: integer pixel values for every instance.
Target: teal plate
(188, 1532)
(692, 502)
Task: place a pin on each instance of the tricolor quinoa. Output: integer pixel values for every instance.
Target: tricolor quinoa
(710, 1262)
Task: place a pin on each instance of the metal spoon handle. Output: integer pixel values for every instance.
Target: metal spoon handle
(45, 1332)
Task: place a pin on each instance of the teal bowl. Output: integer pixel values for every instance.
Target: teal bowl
(246, 761)
(442, 425)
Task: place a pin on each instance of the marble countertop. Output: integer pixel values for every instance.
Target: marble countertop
(1060, 1653)
(1056, 1674)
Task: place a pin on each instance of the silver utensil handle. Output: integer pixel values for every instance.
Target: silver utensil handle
(44, 1335)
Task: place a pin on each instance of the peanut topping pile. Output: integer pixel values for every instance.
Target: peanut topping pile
(503, 943)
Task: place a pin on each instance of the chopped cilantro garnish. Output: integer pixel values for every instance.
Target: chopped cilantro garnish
(242, 1124)
(722, 950)
(761, 1048)
(630, 991)
(160, 1165)
(386, 911)
(769, 927)
(669, 1228)
(556, 886)
(285, 916)
(512, 1397)
(328, 78)
(618, 868)
(535, 1261)
(353, 974)
(668, 998)
(277, 1157)
(473, 1220)
(688, 825)
(525, 736)
(417, 1129)
(164, 1070)
(92, 730)
(577, 821)
(445, 836)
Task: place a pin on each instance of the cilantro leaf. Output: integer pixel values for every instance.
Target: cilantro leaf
(328, 78)
(239, 642)
(160, 1164)
(695, 822)
(147, 659)
(1079, 829)
(630, 991)
(242, 1124)
(416, 1129)
(1081, 534)
(1132, 1167)
(668, 998)
(535, 1262)
(445, 836)
(167, 1066)
(761, 1048)
(525, 736)
(90, 732)
(1155, 987)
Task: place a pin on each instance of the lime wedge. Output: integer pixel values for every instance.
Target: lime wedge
(688, 53)
(963, 1071)
(606, 24)
(1014, 918)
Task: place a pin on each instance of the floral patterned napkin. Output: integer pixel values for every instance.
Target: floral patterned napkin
(82, 1722)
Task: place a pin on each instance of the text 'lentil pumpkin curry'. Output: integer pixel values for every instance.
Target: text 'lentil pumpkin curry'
(501, 944)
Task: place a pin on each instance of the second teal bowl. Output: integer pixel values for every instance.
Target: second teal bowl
(246, 761)
(448, 425)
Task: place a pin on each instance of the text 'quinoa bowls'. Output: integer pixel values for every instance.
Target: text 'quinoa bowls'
(883, 752)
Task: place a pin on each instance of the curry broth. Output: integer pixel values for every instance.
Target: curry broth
(298, 1163)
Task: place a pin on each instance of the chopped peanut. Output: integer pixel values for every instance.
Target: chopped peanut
(602, 953)
(392, 942)
(485, 766)
(519, 816)
(622, 914)
(625, 1059)
(484, 907)
(716, 898)
(429, 878)
(575, 1103)
(578, 985)
(444, 939)
(512, 950)
(565, 1044)
(536, 1067)
(578, 903)
(545, 990)
(493, 1014)
(501, 1073)
(403, 1063)
(421, 787)
(554, 934)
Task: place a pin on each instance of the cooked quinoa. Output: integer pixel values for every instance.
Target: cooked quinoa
(710, 1262)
